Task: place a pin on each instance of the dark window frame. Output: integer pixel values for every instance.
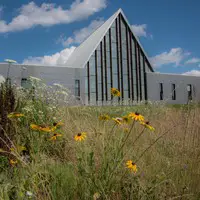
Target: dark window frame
(111, 77)
(139, 74)
(161, 91)
(88, 76)
(96, 73)
(121, 58)
(136, 68)
(105, 63)
(131, 59)
(77, 89)
(190, 95)
(118, 60)
(128, 61)
(102, 84)
(173, 91)
(145, 79)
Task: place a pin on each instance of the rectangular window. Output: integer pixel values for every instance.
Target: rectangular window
(161, 91)
(189, 90)
(173, 91)
(25, 83)
(77, 88)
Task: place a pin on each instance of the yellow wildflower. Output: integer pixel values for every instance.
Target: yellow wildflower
(13, 162)
(35, 127)
(46, 128)
(147, 125)
(15, 115)
(115, 92)
(136, 116)
(80, 136)
(104, 117)
(58, 124)
(42, 128)
(118, 120)
(132, 166)
(55, 135)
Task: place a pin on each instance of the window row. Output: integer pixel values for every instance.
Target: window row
(173, 91)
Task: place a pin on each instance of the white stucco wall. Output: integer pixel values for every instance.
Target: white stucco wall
(181, 82)
(49, 74)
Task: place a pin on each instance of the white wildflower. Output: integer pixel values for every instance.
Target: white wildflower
(10, 61)
(32, 78)
(58, 85)
(29, 193)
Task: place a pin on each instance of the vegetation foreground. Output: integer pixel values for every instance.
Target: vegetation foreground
(51, 152)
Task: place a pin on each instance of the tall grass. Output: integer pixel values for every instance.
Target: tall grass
(168, 159)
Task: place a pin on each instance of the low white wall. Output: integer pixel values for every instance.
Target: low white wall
(181, 82)
(49, 74)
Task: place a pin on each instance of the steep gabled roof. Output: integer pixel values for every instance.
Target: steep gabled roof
(82, 54)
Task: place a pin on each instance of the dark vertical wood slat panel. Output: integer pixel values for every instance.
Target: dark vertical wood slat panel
(128, 61)
(121, 61)
(111, 74)
(88, 75)
(96, 73)
(102, 84)
(131, 59)
(105, 63)
(145, 79)
(140, 81)
(136, 67)
(118, 61)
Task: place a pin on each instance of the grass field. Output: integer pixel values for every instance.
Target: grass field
(45, 162)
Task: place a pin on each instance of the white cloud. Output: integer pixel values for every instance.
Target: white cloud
(140, 30)
(193, 61)
(47, 14)
(192, 73)
(59, 58)
(80, 35)
(174, 56)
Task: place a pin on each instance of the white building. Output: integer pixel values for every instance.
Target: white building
(111, 57)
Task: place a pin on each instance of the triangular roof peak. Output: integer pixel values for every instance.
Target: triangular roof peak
(84, 51)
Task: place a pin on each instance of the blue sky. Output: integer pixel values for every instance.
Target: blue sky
(46, 32)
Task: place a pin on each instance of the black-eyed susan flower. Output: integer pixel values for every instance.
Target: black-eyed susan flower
(55, 135)
(147, 125)
(80, 136)
(118, 120)
(58, 124)
(136, 116)
(132, 166)
(15, 115)
(43, 128)
(12, 162)
(35, 127)
(126, 119)
(104, 117)
(115, 92)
